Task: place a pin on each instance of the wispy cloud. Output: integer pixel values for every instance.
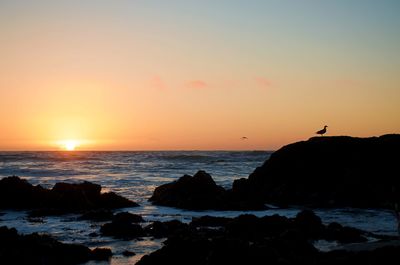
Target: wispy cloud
(263, 82)
(197, 84)
(158, 83)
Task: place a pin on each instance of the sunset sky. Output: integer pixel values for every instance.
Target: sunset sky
(173, 75)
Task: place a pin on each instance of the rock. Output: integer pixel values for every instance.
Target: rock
(111, 200)
(308, 222)
(210, 221)
(16, 193)
(197, 192)
(248, 239)
(42, 249)
(344, 234)
(101, 254)
(124, 226)
(324, 171)
(165, 229)
(200, 192)
(128, 253)
(127, 217)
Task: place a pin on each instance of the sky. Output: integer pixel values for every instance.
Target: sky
(196, 75)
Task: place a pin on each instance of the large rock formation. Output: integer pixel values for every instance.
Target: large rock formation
(248, 239)
(329, 172)
(200, 192)
(16, 193)
(42, 249)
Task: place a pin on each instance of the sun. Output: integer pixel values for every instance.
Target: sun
(69, 145)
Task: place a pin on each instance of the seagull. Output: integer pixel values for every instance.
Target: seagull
(244, 138)
(323, 131)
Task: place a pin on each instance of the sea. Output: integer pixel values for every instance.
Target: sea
(135, 175)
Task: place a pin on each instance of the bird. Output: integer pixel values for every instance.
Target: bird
(244, 138)
(323, 131)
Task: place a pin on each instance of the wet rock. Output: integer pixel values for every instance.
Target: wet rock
(101, 254)
(40, 249)
(197, 192)
(111, 200)
(128, 253)
(122, 230)
(200, 192)
(16, 193)
(344, 234)
(324, 171)
(308, 222)
(248, 239)
(127, 217)
(165, 229)
(210, 221)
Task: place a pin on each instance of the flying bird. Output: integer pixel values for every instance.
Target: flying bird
(244, 138)
(323, 131)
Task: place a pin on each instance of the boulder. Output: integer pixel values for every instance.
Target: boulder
(124, 226)
(336, 171)
(248, 239)
(127, 217)
(166, 229)
(200, 192)
(16, 193)
(43, 249)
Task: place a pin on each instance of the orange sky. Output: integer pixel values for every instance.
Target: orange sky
(137, 75)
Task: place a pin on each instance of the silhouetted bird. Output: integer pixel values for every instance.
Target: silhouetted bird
(323, 131)
(244, 138)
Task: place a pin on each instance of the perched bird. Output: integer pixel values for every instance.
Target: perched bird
(244, 138)
(323, 131)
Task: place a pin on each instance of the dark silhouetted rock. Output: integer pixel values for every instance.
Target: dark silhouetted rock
(197, 192)
(344, 234)
(165, 229)
(200, 192)
(16, 193)
(210, 221)
(329, 172)
(127, 217)
(308, 222)
(42, 249)
(101, 254)
(124, 226)
(248, 239)
(128, 253)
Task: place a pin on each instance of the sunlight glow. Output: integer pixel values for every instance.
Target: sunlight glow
(69, 145)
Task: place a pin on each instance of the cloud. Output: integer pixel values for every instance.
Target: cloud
(197, 84)
(158, 83)
(263, 82)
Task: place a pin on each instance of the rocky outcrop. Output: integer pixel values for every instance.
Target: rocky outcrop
(200, 192)
(248, 239)
(35, 249)
(329, 172)
(16, 193)
(124, 225)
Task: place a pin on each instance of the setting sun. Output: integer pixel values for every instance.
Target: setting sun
(69, 145)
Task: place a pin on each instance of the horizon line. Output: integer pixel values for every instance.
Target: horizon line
(155, 150)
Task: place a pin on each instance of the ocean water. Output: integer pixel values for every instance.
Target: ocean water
(135, 175)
